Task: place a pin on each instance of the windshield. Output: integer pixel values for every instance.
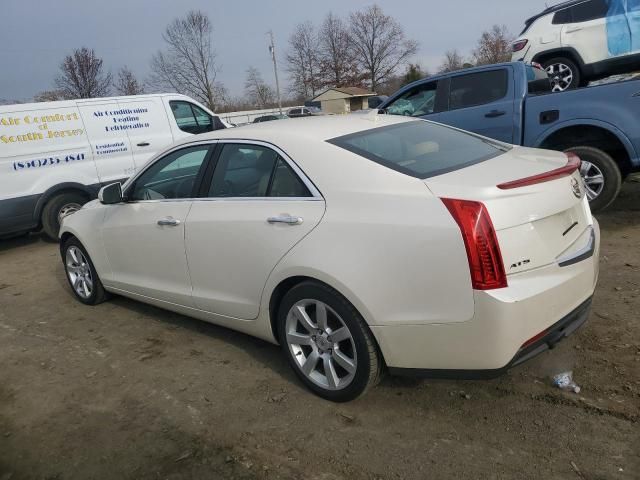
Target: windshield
(419, 148)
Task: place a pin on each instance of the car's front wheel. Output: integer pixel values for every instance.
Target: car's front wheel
(327, 342)
(563, 73)
(81, 274)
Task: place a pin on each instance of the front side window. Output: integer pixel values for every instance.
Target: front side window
(419, 100)
(191, 118)
(419, 148)
(479, 88)
(245, 170)
(171, 177)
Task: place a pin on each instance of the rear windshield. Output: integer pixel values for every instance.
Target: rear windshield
(419, 148)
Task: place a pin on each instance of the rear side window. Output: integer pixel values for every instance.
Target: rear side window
(478, 88)
(591, 10)
(419, 148)
(562, 17)
(538, 80)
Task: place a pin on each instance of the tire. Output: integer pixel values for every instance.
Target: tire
(56, 207)
(596, 161)
(356, 349)
(557, 69)
(76, 262)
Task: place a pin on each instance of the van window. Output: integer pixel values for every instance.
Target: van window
(191, 118)
(479, 88)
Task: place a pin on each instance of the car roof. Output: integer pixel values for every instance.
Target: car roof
(320, 128)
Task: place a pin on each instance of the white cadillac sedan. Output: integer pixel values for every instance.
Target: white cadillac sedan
(358, 243)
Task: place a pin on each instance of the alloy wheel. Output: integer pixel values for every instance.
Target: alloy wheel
(321, 344)
(593, 179)
(79, 272)
(560, 75)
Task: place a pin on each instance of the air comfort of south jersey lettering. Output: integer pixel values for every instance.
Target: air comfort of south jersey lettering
(34, 128)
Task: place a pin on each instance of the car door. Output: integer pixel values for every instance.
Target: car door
(422, 100)
(256, 206)
(586, 30)
(144, 236)
(482, 102)
(145, 123)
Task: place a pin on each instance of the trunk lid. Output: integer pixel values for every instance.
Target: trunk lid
(535, 224)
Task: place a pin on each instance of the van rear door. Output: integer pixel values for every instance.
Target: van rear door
(110, 144)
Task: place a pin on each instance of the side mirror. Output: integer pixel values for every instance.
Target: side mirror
(110, 194)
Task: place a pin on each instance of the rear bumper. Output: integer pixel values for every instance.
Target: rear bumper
(556, 333)
(550, 302)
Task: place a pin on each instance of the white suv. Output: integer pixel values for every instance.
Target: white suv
(582, 40)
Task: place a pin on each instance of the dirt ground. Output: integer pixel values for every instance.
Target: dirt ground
(127, 391)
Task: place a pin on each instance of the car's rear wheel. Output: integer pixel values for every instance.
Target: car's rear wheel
(57, 208)
(563, 73)
(81, 274)
(601, 175)
(327, 342)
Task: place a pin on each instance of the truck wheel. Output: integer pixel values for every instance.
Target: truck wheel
(57, 208)
(563, 73)
(601, 175)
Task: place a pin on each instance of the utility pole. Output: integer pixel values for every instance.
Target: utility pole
(272, 50)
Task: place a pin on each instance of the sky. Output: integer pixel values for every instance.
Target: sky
(36, 35)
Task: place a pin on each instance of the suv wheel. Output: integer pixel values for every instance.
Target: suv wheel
(327, 342)
(563, 73)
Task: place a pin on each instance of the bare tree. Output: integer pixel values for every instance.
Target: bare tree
(48, 96)
(303, 63)
(82, 75)
(127, 83)
(494, 46)
(259, 93)
(336, 54)
(452, 61)
(380, 44)
(188, 65)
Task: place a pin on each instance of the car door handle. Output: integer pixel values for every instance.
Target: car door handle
(144, 144)
(495, 113)
(288, 219)
(169, 222)
(574, 29)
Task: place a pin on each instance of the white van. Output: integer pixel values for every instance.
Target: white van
(55, 156)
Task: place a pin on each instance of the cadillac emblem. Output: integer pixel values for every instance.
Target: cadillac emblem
(575, 187)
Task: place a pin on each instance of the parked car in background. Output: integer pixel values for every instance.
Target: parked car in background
(54, 156)
(304, 112)
(599, 124)
(484, 254)
(582, 40)
(269, 118)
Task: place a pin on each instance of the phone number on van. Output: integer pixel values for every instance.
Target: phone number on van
(49, 161)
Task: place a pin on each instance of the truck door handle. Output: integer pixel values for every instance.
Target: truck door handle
(144, 144)
(495, 113)
(169, 222)
(287, 219)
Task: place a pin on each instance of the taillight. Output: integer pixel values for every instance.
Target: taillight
(573, 164)
(481, 243)
(519, 45)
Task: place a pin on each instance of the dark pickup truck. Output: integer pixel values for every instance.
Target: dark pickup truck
(511, 102)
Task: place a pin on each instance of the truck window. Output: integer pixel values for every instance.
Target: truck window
(417, 101)
(476, 89)
(191, 118)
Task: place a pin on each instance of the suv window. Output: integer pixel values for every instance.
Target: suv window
(478, 88)
(191, 118)
(417, 101)
(591, 10)
(562, 17)
(171, 177)
(419, 148)
(246, 170)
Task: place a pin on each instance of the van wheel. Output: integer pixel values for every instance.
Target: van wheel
(327, 342)
(563, 73)
(601, 175)
(57, 208)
